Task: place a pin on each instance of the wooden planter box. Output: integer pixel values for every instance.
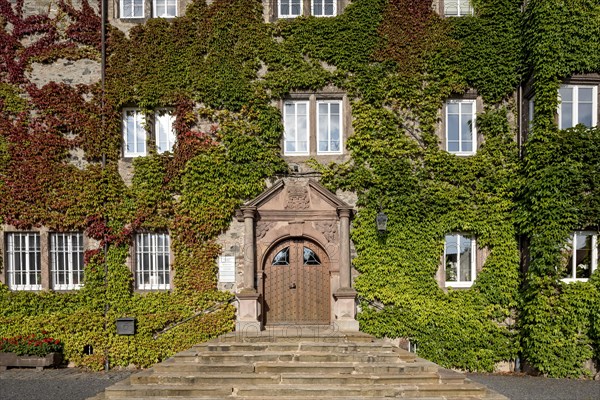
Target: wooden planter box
(37, 362)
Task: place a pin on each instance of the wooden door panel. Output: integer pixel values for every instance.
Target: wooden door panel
(296, 292)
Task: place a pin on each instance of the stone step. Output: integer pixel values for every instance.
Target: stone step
(277, 367)
(296, 334)
(285, 398)
(458, 391)
(300, 346)
(177, 378)
(361, 391)
(171, 378)
(308, 356)
(173, 365)
(125, 390)
(397, 368)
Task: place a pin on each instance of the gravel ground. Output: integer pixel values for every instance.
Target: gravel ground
(55, 384)
(522, 387)
(75, 384)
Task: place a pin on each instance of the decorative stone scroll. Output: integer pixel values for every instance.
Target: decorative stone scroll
(328, 229)
(262, 228)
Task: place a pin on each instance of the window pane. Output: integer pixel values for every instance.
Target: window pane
(566, 107)
(450, 8)
(302, 133)
(282, 258)
(152, 267)
(451, 261)
(310, 257)
(130, 127)
(452, 107)
(466, 258)
(334, 134)
(165, 137)
(566, 114)
(330, 7)
(296, 7)
(465, 129)
(138, 8)
(140, 135)
(453, 127)
(323, 128)
(585, 114)
(583, 255)
(317, 7)
(566, 94)
(585, 94)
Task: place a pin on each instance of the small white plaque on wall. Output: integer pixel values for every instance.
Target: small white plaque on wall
(227, 269)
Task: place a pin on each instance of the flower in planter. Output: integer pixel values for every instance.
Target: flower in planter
(36, 344)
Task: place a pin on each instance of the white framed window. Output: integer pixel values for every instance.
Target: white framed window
(329, 127)
(132, 9)
(163, 129)
(23, 261)
(457, 8)
(66, 260)
(295, 121)
(165, 8)
(324, 8)
(152, 255)
(134, 133)
(459, 260)
(578, 104)
(290, 8)
(581, 256)
(461, 135)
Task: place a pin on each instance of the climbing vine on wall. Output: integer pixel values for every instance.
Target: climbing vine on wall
(220, 68)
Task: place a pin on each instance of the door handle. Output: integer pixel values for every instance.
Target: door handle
(293, 286)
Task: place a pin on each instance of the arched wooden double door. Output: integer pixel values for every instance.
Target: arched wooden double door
(296, 284)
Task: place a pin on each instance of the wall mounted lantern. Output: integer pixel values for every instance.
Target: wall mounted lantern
(382, 220)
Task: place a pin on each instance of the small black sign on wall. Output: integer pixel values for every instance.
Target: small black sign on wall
(125, 326)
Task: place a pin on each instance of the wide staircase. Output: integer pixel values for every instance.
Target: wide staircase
(279, 364)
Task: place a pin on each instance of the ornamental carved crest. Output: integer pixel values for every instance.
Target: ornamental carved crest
(297, 198)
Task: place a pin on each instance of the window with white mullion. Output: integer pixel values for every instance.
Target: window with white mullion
(66, 260)
(134, 133)
(457, 8)
(165, 8)
(461, 138)
(459, 260)
(581, 256)
(132, 8)
(577, 105)
(152, 261)
(295, 120)
(324, 8)
(290, 8)
(329, 127)
(163, 128)
(23, 259)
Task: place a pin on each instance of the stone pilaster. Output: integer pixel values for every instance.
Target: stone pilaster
(248, 316)
(345, 296)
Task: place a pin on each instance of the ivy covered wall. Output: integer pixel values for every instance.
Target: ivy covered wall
(221, 65)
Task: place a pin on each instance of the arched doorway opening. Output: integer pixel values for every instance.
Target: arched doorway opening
(296, 284)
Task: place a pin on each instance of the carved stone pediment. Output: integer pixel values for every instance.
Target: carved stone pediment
(297, 199)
